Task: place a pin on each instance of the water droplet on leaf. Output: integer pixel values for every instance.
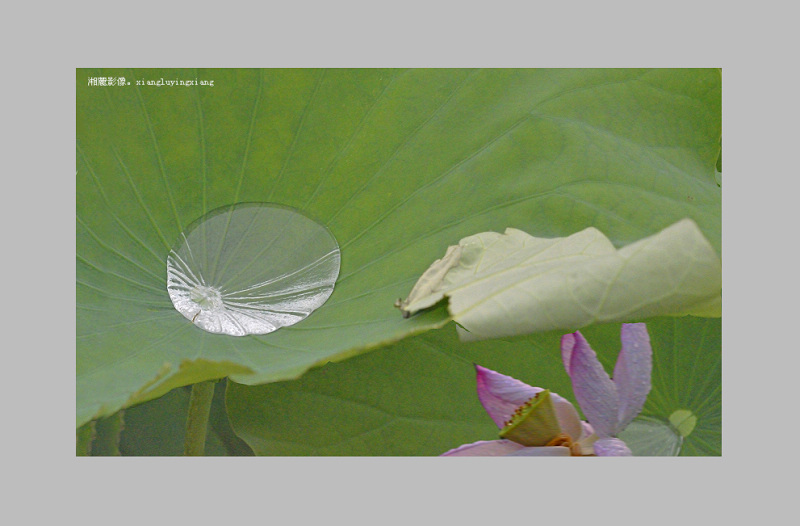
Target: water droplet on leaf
(651, 437)
(251, 268)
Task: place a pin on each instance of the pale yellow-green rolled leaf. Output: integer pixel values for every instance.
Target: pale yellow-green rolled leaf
(514, 283)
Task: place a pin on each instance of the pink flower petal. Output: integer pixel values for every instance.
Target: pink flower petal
(485, 448)
(501, 395)
(567, 416)
(632, 372)
(587, 429)
(567, 344)
(594, 390)
(544, 451)
(611, 447)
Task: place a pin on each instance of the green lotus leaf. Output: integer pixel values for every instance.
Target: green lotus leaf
(396, 164)
(419, 397)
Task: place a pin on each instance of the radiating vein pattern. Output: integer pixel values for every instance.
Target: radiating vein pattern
(252, 268)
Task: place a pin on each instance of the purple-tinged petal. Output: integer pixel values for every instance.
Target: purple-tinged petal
(501, 395)
(632, 372)
(567, 344)
(611, 447)
(594, 390)
(485, 448)
(587, 429)
(545, 451)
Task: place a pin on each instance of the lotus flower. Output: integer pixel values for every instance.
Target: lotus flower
(536, 422)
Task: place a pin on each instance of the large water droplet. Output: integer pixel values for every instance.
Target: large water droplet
(251, 268)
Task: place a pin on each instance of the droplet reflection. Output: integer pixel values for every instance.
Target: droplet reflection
(251, 268)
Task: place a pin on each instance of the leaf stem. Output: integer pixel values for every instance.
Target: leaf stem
(107, 435)
(197, 419)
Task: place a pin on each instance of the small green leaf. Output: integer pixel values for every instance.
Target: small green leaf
(684, 421)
